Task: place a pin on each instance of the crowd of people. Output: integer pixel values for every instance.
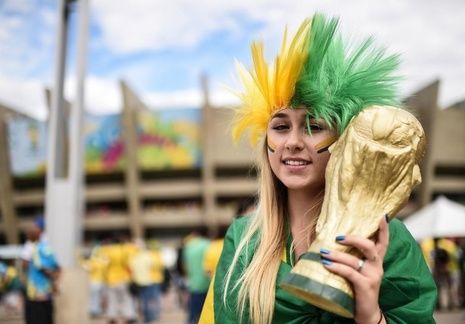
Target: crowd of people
(127, 278)
(446, 260)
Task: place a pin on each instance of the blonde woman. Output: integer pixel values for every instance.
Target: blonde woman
(307, 98)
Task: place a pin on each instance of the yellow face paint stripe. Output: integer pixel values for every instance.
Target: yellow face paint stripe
(271, 145)
(324, 144)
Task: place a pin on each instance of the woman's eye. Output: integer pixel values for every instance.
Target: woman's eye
(315, 127)
(280, 127)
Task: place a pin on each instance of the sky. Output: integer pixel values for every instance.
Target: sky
(161, 48)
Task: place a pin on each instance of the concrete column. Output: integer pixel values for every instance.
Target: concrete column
(425, 104)
(208, 171)
(131, 105)
(6, 197)
(65, 181)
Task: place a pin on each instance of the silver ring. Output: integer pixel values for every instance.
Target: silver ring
(360, 265)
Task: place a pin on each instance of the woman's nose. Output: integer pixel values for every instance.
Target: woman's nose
(294, 141)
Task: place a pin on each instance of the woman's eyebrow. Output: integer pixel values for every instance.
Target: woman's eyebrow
(279, 115)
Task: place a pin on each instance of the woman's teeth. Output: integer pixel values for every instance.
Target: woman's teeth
(295, 162)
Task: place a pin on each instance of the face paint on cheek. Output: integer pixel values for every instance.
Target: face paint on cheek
(325, 144)
(271, 146)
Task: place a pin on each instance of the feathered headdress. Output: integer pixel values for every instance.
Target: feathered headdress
(317, 71)
(270, 88)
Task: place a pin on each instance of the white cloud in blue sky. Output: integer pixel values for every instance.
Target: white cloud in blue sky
(162, 47)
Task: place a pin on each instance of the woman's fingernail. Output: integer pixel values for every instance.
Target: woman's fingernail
(324, 251)
(386, 216)
(326, 262)
(340, 238)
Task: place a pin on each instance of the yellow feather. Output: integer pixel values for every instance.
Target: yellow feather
(268, 88)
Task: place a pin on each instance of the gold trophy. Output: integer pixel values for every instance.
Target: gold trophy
(372, 170)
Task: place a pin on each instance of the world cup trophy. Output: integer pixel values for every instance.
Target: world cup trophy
(373, 167)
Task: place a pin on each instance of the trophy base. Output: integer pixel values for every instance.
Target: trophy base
(320, 295)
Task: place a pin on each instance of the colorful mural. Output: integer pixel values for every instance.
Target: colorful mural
(167, 139)
(27, 140)
(104, 143)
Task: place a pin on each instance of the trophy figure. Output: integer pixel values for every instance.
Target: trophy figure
(373, 168)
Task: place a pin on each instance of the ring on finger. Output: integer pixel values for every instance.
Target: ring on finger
(360, 265)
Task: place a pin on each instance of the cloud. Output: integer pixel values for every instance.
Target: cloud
(180, 98)
(188, 98)
(147, 24)
(102, 96)
(161, 46)
(26, 39)
(428, 35)
(26, 96)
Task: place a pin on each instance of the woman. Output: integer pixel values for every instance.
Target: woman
(297, 108)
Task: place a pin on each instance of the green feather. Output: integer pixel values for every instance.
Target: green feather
(336, 83)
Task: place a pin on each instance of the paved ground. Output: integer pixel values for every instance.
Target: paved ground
(172, 314)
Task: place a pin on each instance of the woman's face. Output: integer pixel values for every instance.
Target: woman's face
(291, 149)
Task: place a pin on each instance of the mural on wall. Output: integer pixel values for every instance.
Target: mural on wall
(104, 143)
(27, 140)
(167, 139)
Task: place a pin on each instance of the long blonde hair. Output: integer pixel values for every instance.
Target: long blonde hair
(258, 282)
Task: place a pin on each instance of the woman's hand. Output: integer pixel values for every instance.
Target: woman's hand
(364, 274)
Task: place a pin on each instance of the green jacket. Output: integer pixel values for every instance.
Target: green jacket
(407, 294)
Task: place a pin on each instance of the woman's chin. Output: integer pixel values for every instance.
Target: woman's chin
(304, 185)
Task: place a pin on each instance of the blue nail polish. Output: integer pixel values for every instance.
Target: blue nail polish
(326, 262)
(324, 251)
(340, 238)
(386, 216)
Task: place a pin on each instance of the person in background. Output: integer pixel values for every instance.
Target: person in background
(96, 265)
(213, 252)
(442, 256)
(179, 277)
(197, 279)
(26, 252)
(147, 273)
(117, 279)
(11, 287)
(455, 274)
(246, 207)
(42, 276)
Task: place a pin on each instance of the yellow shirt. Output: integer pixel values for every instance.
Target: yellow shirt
(448, 245)
(147, 268)
(212, 256)
(96, 267)
(117, 271)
